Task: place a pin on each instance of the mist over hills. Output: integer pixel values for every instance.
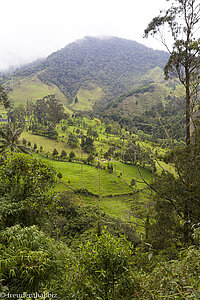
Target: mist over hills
(111, 64)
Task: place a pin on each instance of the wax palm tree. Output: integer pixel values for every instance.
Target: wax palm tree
(4, 98)
(9, 139)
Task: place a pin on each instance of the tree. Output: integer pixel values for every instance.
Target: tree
(92, 132)
(177, 197)
(182, 20)
(87, 144)
(49, 110)
(72, 140)
(29, 110)
(24, 141)
(77, 131)
(4, 97)
(9, 139)
(104, 269)
(40, 111)
(59, 175)
(55, 152)
(63, 154)
(90, 159)
(72, 155)
(25, 184)
(133, 182)
(17, 115)
(55, 110)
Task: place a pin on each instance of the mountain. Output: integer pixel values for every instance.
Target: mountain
(112, 64)
(95, 70)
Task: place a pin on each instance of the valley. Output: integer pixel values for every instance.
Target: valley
(99, 185)
(110, 95)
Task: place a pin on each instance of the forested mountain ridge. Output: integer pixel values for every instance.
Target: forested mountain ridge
(108, 67)
(114, 64)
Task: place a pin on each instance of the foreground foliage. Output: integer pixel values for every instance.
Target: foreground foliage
(30, 260)
(104, 269)
(100, 264)
(24, 190)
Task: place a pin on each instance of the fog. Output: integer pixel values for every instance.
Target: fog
(35, 29)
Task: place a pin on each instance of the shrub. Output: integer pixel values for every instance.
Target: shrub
(63, 154)
(104, 270)
(59, 175)
(30, 260)
(55, 152)
(72, 155)
(24, 142)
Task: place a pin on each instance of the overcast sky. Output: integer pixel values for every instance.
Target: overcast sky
(31, 29)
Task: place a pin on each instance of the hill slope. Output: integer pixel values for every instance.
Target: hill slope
(113, 64)
(98, 69)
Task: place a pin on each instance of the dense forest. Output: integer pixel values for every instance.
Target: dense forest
(100, 169)
(114, 64)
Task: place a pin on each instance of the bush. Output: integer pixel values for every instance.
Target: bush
(30, 260)
(104, 269)
(63, 154)
(59, 175)
(72, 155)
(55, 152)
(24, 142)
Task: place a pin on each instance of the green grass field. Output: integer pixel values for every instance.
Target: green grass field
(87, 97)
(32, 88)
(48, 145)
(121, 206)
(109, 183)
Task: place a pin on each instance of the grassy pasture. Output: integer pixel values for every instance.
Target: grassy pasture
(48, 145)
(121, 206)
(31, 88)
(109, 184)
(87, 97)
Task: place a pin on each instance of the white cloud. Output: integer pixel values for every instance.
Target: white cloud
(31, 29)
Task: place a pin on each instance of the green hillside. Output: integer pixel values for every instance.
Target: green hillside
(111, 66)
(32, 88)
(87, 96)
(108, 184)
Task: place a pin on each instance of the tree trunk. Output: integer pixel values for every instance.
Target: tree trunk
(187, 107)
(187, 120)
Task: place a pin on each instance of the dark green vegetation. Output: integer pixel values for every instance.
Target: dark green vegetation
(101, 205)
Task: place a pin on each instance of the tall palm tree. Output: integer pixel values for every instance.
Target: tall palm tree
(4, 98)
(9, 139)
